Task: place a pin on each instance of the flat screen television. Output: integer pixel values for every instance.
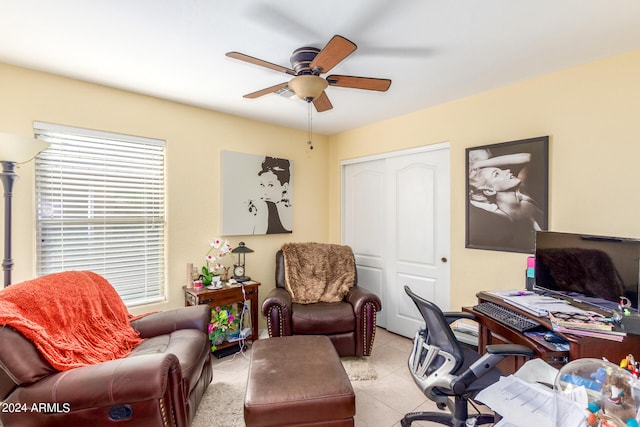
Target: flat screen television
(596, 270)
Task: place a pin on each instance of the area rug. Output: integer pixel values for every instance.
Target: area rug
(223, 404)
(359, 368)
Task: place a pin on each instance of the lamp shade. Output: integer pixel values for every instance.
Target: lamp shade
(19, 149)
(308, 87)
(241, 249)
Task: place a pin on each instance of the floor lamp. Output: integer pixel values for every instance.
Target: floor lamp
(13, 149)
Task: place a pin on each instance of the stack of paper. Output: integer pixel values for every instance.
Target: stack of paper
(538, 305)
(588, 320)
(522, 399)
(585, 323)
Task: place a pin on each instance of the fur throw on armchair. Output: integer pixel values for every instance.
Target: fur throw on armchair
(318, 272)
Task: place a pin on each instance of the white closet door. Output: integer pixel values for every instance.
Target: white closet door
(364, 198)
(396, 218)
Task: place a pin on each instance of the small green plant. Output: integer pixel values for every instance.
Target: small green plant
(207, 276)
(211, 267)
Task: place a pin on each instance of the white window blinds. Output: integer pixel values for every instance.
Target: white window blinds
(100, 206)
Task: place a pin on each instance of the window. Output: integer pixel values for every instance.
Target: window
(100, 206)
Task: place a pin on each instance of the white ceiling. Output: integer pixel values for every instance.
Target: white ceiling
(434, 51)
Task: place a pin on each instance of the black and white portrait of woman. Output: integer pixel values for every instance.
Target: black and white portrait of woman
(256, 194)
(507, 194)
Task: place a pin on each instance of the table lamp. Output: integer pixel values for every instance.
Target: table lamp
(13, 149)
(239, 271)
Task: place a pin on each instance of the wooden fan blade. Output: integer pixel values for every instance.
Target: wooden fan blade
(335, 51)
(260, 62)
(322, 103)
(266, 91)
(367, 83)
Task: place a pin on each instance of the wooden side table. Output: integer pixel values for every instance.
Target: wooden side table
(228, 294)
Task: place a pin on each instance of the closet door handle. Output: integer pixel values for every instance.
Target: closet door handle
(444, 259)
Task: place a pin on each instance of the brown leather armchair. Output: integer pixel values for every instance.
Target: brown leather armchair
(350, 324)
(160, 383)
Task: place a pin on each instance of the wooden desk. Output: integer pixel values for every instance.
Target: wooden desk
(493, 332)
(228, 294)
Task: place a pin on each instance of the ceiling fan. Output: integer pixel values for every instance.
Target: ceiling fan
(307, 64)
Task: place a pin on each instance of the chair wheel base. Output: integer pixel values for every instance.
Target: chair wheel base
(434, 417)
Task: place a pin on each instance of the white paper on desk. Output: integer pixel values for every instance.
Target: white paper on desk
(537, 370)
(538, 305)
(525, 404)
(510, 293)
(567, 308)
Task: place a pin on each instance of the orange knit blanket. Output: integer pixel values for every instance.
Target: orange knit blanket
(74, 318)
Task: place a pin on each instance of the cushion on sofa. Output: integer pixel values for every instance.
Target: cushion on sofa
(323, 318)
(190, 346)
(23, 365)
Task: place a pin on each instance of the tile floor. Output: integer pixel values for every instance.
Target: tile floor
(379, 403)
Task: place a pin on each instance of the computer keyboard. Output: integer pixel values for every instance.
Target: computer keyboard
(507, 317)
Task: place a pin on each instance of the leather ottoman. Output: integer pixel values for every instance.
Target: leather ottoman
(297, 381)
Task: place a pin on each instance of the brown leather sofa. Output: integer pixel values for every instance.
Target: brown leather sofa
(350, 324)
(160, 383)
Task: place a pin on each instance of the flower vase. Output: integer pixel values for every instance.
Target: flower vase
(218, 339)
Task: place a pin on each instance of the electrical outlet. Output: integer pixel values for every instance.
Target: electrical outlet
(246, 332)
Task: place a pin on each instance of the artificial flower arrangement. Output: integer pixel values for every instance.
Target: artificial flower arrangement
(218, 248)
(224, 320)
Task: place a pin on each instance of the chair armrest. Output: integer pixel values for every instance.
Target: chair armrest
(165, 322)
(358, 297)
(509, 350)
(494, 355)
(122, 381)
(452, 316)
(277, 308)
(365, 307)
(277, 297)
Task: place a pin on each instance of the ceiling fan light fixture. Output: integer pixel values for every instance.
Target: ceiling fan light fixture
(308, 87)
(307, 64)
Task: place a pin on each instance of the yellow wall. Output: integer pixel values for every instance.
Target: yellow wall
(195, 138)
(591, 114)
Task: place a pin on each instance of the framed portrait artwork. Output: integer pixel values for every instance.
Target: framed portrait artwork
(507, 189)
(256, 194)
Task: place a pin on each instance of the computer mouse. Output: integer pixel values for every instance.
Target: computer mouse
(551, 337)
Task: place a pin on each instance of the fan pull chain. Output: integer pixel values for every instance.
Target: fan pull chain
(309, 143)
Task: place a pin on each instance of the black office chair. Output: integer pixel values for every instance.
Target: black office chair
(444, 370)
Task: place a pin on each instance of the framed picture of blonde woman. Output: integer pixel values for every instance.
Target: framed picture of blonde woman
(507, 194)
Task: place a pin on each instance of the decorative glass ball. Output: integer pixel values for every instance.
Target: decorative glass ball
(609, 394)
